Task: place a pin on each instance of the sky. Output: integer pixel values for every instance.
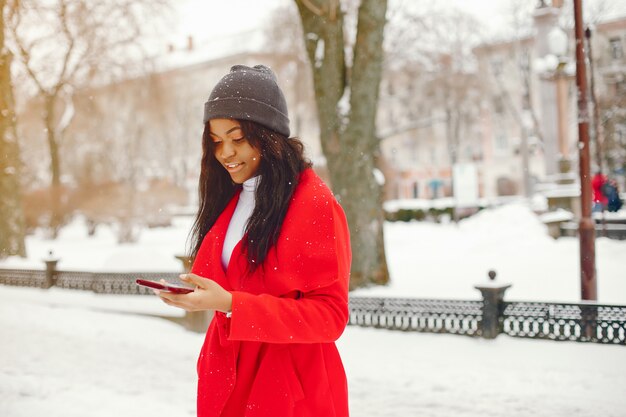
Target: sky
(205, 19)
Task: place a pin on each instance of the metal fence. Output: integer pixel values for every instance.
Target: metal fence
(583, 322)
(422, 315)
(23, 277)
(99, 282)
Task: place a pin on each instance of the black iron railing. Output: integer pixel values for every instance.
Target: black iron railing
(23, 277)
(583, 322)
(423, 315)
(99, 282)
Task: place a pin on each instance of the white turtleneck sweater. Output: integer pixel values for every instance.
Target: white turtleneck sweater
(237, 225)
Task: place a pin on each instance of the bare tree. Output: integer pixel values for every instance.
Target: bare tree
(346, 88)
(284, 38)
(456, 92)
(63, 45)
(11, 215)
(429, 50)
(124, 139)
(612, 109)
(595, 11)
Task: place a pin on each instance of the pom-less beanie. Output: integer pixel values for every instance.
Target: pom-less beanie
(249, 93)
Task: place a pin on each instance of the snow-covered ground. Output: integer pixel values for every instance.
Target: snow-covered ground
(73, 353)
(70, 354)
(446, 261)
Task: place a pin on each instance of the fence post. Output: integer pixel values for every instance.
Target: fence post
(51, 270)
(196, 321)
(589, 323)
(493, 296)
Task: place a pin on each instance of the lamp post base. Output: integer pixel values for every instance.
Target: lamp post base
(565, 176)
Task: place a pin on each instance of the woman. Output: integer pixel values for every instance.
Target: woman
(272, 258)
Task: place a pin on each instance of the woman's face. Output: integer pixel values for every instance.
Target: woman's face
(233, 150)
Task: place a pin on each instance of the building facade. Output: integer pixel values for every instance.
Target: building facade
(510, 120)
(516, 114)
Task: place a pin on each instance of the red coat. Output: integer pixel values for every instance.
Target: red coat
(276, 355)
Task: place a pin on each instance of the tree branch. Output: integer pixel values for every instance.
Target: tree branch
(318, 11)
(24, 56)
(70, 49)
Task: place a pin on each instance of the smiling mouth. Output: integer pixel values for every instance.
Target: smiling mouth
(233, 166)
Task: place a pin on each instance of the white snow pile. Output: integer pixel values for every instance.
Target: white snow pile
(428, 260)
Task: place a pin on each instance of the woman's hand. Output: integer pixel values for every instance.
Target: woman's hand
(208, 295)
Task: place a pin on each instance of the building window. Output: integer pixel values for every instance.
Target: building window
(497, 66)
(506, 186)
(416, 190)
(397, 191)
(620, 88)
(467, 154)
(498, 104)
(501, 141)
(617, 52)
(620, 134)
(524, 60)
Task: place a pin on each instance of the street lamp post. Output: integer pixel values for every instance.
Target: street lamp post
(546, 64)
(586, 228)
(558, 68)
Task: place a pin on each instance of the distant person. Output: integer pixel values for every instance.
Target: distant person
(272, 258)
(599, 198)
(611, 191)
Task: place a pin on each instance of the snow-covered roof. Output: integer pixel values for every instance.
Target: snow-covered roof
(197, 52)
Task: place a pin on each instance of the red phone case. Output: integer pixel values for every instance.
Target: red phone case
(163, 287)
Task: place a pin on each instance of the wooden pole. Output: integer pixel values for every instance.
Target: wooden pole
(586, 228)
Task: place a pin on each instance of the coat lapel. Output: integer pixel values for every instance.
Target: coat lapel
(208, 263)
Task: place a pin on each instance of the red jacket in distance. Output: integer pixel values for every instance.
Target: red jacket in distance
(597, 181)
(276, 356)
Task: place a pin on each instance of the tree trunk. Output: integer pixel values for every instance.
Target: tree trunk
(347, 99)
(12, 228)
(56, 214)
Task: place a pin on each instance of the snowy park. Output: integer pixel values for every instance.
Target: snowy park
(475, 157)
(75, 353)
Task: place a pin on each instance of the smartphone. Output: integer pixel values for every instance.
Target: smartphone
(164, 286)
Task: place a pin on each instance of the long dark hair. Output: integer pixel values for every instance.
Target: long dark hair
(282, 161)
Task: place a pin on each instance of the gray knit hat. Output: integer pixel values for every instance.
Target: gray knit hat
(247, 93)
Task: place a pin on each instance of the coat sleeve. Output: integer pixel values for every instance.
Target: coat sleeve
(320, 316)
(313, 261)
